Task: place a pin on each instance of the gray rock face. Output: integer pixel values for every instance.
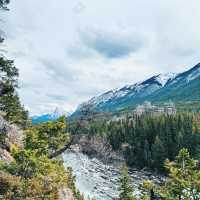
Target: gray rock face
(9, 135)
(5, 156)
(95, 147)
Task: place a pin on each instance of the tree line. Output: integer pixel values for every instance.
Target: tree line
(147, 140)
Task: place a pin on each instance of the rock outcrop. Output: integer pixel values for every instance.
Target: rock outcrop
(5, 156)
(10, 135)
(95, 147)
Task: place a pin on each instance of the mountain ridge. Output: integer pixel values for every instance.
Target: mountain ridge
(48, 116)
(158, 88)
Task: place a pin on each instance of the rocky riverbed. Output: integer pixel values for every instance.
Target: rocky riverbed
(99, 180)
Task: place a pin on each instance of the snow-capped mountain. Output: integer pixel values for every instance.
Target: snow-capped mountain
(185, 87)
(49, 116)
(141, 89)
(159, 88)
(117, 98)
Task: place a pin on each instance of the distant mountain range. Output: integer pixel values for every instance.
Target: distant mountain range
(48, 117)
(179, 88)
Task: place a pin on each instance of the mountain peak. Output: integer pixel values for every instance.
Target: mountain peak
(163, 79)
(58, 112)
(49, 116)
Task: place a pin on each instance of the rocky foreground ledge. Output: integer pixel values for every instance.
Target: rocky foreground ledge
(11, 135)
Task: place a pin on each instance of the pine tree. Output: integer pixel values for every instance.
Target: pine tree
(9, 99)
(184, 179)
(125, 189)
(149, 188)
(158, 153)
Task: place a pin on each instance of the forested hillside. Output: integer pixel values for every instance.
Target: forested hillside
(146, 141)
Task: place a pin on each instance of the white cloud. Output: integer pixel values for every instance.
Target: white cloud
(69, 51)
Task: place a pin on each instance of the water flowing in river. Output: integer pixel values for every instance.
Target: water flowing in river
(98, 180)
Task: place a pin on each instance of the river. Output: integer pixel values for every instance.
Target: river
(98, 180)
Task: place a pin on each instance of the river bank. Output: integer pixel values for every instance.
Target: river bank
(98, 180)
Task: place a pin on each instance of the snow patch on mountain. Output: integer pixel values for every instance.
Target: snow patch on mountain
(187, 76)
(142, 88)
(195, 74)
(164, 78)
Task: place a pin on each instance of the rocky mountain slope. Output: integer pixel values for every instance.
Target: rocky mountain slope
(160, 88)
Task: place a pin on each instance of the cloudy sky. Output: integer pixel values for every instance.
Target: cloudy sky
(68, 51)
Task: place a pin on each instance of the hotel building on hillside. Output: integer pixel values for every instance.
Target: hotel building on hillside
(148, 108)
